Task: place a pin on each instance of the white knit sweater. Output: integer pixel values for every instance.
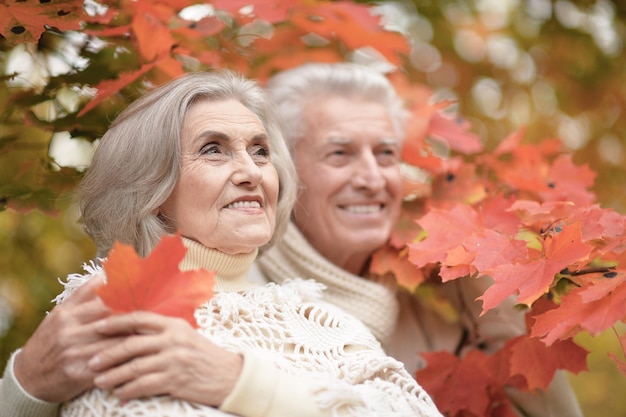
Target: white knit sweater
(301, 357)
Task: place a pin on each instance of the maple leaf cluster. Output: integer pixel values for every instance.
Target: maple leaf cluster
(522, 215)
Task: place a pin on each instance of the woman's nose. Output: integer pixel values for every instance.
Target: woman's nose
(246, 171)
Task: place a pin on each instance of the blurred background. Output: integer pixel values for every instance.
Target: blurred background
(556, 67)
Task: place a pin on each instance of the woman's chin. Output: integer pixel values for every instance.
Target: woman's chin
(248, 246)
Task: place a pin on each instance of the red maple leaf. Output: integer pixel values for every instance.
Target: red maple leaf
(26, 20)
(152, 37)
(531, 279)
(593, 308)
(456, 384)
(446, 230)
(537, 363)
(353, 24)
(155, 283)
(107, 88)
(569, 182)
(455, 132)
(457, 182)
(388, 259)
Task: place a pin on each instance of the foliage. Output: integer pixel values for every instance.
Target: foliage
(155, 283)
(517, 209)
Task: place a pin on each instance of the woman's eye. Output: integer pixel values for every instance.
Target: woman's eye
(260, 152)
(210, 148)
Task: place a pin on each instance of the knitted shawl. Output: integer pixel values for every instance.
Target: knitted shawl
(288, 326)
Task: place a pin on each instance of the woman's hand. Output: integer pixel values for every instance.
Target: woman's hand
(52, 366)
(164, 355)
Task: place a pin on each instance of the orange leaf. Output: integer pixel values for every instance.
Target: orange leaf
(388, 259)
(154, 39)
(457, 385)
(155, 283)
(353, 24)
(455, 132)
(534, 278)
(109, 87)
(537, 362)
(446, 230)
(593, 308)
(25, 21)
(569, 182)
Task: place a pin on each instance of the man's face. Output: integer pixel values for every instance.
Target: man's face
(348, 163)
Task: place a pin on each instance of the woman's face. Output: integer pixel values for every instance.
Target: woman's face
(349, 166)
(227, 193)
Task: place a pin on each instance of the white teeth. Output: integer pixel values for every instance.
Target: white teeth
(364, 209)
(244, 204)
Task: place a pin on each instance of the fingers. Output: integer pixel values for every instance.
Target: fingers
(134, 377)
(128, 349)
(143, 333)
(138, 322)
(164, 355)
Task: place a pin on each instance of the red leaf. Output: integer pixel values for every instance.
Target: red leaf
(446, 230)
(455, 132)
(594, 308)
(537, 362)
(569, 182)
(154, 39)
(109, 87)
(155, 283)
(25, 20)
(388, 259)
(454, 383)
(534, 278)
(353, 24)
(510, 143)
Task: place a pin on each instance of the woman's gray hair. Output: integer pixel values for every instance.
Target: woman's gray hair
(292, 90)
(137, 163)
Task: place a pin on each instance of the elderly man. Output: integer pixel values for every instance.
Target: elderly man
(344, 124)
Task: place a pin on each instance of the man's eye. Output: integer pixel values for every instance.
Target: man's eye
(388, 154)
(338, 152)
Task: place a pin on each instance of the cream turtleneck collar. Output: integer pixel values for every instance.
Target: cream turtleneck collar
(232, 270)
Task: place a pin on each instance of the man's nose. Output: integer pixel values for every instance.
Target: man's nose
(368, 172)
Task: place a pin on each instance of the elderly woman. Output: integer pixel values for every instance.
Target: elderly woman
(201, 156)
(344, 124)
